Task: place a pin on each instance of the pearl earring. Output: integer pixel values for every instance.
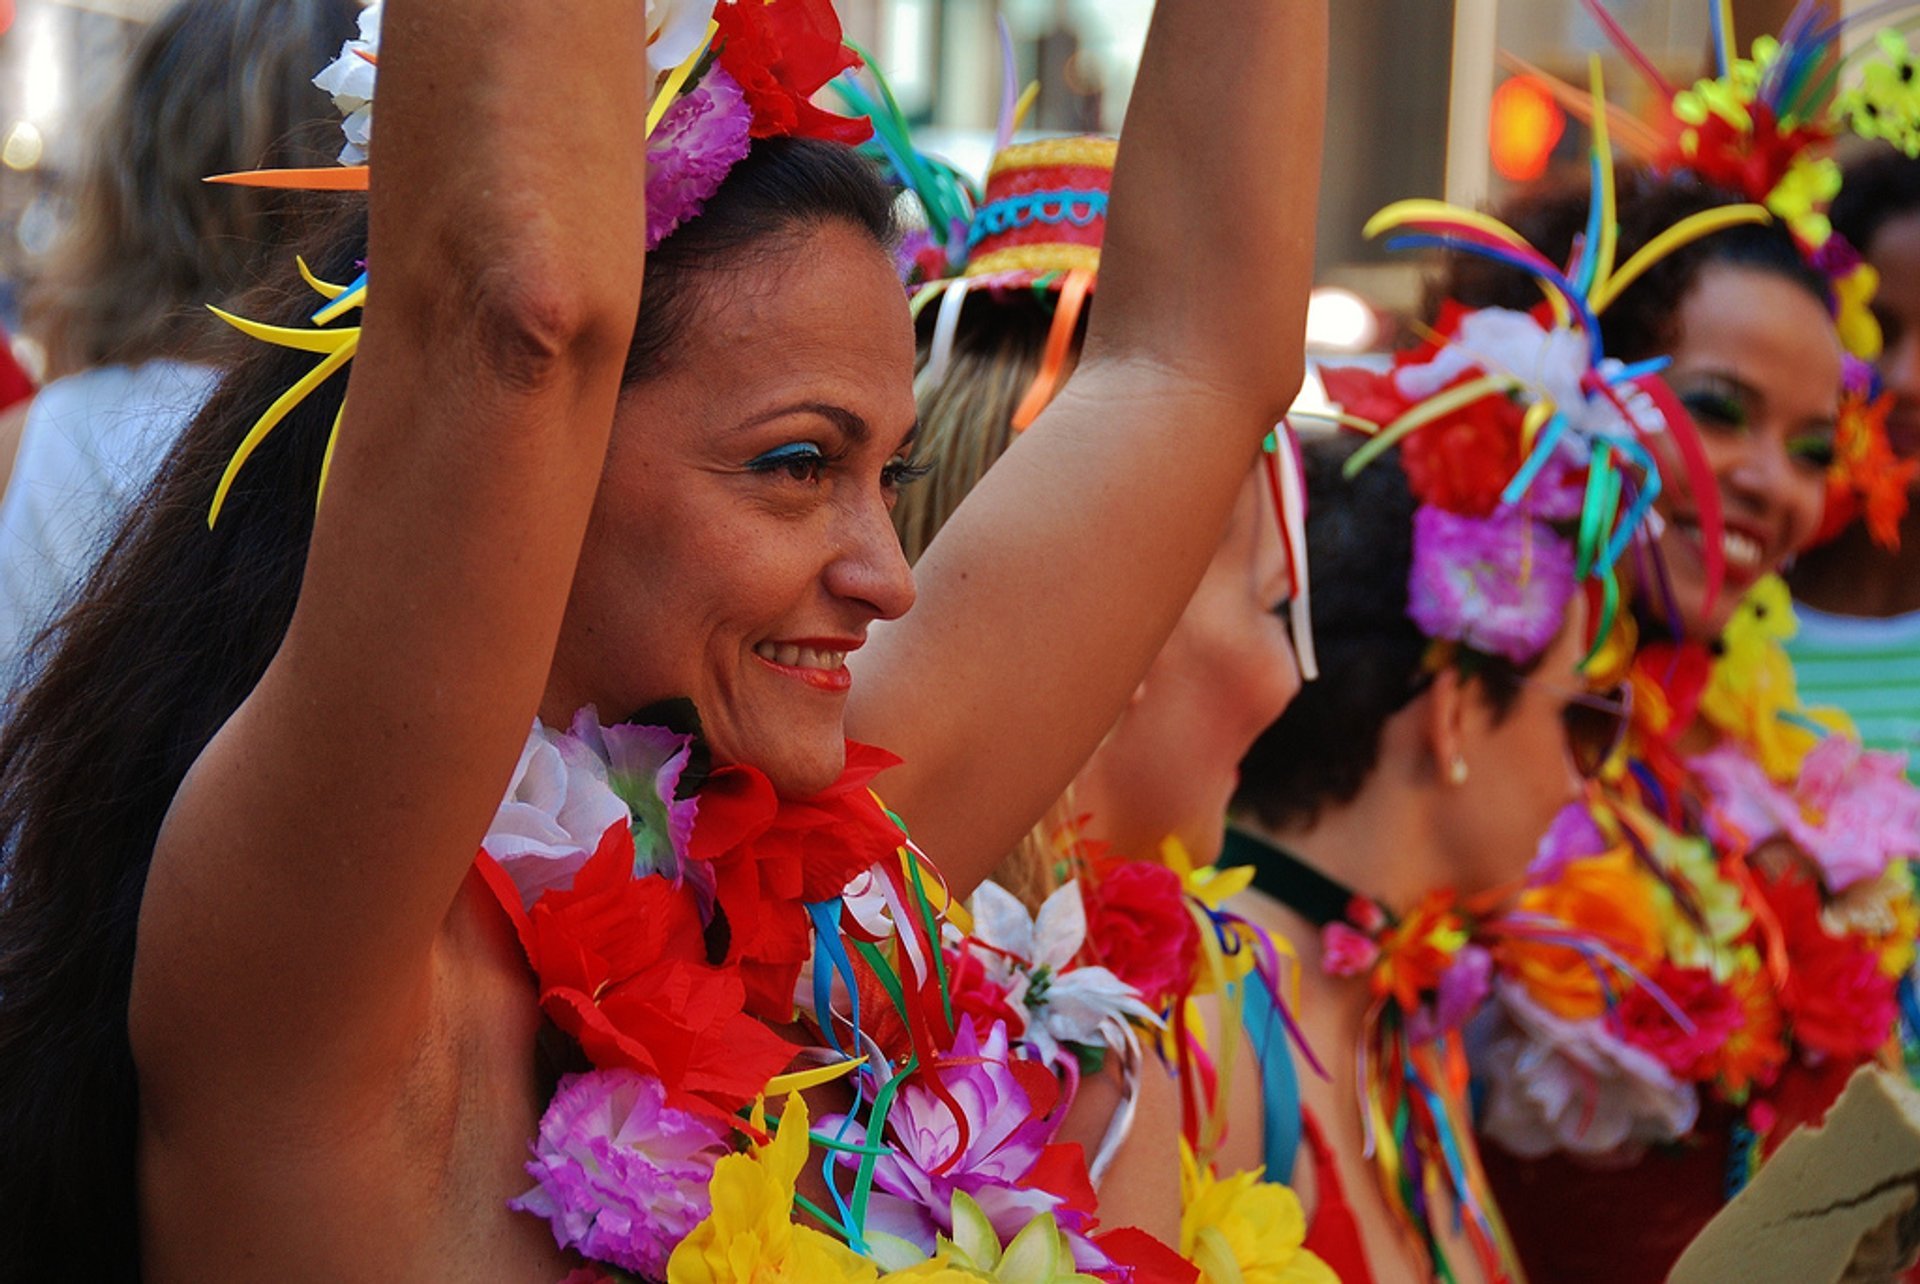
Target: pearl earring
(1457, 771)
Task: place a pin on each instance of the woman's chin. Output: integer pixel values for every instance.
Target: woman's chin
(800, 770)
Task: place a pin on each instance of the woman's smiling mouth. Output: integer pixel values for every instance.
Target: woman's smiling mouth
(819, 663)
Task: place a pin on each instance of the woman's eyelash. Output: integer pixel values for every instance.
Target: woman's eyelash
(1815, 448)
(905, 472)
(1717, 407)
(796, 458)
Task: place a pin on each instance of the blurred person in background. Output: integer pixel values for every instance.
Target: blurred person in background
(1858, 647)
(212, 87)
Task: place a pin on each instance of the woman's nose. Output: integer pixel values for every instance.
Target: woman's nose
(871, 568)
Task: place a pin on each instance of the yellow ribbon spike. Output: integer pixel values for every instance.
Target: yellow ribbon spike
(325, 289)
(326, 460)
(337, 347)
(346, 302)
(1603, 148)
(1681, 234)
(1420, 209)
(677, 79)
(1435, 407)
(1025, 105)
(801, 1080)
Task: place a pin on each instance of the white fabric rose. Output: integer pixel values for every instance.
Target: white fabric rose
(555, 813)
(349, 78)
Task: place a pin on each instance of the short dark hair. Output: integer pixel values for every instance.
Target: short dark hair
(1881, 186)
(1372, 656)
(1642, 321)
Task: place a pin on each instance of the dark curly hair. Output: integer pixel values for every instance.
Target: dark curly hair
(1641, 323)
(1372, 656)
(1881, 186)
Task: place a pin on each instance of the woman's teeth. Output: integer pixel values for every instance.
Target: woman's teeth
(800, 657)
(1742, 551)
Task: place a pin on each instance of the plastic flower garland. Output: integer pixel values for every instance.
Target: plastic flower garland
(727, 73)
(1766, 972)
(1867, 481)
(674, 913)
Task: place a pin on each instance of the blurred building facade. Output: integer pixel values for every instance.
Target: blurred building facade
(1410, 113)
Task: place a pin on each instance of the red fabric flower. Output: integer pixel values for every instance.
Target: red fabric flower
(1751, 161)
(622, 968)
(1836, 996)
(782, 52)
(1365, 394)
(975, 994)
(1139, 928)
(771, 857)
(1464, 461)
(1714, 1010)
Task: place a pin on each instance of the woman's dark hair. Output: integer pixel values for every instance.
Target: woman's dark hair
(1881, 186)
(1641, 323)
(168, 635)
(1373, 658)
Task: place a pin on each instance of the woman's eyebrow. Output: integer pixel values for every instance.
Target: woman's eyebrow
(852, 426)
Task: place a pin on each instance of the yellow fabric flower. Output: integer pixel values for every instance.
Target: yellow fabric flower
(750, 1237)
(1886, 102)
(1039, 1254)
(1752, 694)
(1801, 198)
(1853, 301)
(1242, 1230)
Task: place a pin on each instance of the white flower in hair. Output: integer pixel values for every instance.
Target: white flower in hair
(675, 29)
(349, 78)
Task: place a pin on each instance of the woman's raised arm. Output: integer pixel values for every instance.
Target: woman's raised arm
(316, 847)
(1046, 596)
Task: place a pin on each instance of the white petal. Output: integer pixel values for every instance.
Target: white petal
(1060, 929)
(1000, 920)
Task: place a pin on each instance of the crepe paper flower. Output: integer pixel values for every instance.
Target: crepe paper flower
(1852, 811)
(782, 53)
(1032, 957)
(1690, 1051)
(1575, 1086)
(1836, 999)
(750, 1236)
(621, 964)
(557, 809)
(1601, 899)
(703, 135)
(621, 1176)
(1138, 925)
(976, 993)
(1462, 991)
(1867, 480)
(1752, 694)
(1415, 952)
(349, 79)
(1346, 952)
(769, 857)
(1882, 911)
(1702, 912)
(1006, 1161)
(1573, 835)
(1754, 1050)
(1037, 1254)
(1886, 103)
(1500, 585)
(675, 29)
(647, 768)
(1241, 1228)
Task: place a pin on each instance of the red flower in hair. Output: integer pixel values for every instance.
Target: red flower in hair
(1464, 461)
(770, 858)
(782, 52)
(622, 967)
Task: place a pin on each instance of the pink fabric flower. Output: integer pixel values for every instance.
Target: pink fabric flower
(1853, 811)
(1463, 988)
(621, 1176)
(698, 142)
(1573, 836)
(1499, 584)
(1345, 952)
(1139, 928)
(557, 809)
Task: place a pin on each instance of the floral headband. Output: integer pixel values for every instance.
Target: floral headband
(1765, 126)
(735, 71)
(1516, 427)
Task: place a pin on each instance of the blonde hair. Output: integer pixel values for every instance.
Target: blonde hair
(966, 423)
(213, 86)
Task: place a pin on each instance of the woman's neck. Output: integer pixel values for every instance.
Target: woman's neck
(1854, 576)
(1382, 845)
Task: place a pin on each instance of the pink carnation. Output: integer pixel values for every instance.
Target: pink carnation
(698, 142)
(622, 1177)
(1712, 1009)
(1498, 584)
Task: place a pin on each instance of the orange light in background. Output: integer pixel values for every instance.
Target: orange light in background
(1527, 123)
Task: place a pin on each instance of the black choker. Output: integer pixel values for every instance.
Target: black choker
(1288, 879)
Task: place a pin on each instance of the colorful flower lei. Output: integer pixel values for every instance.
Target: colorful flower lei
(1867, 481)
(675, 913)
(1763, 969)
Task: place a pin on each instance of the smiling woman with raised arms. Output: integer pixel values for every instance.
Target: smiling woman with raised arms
(275, 745)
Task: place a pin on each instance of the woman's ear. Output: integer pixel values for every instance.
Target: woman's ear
(1446, 725)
